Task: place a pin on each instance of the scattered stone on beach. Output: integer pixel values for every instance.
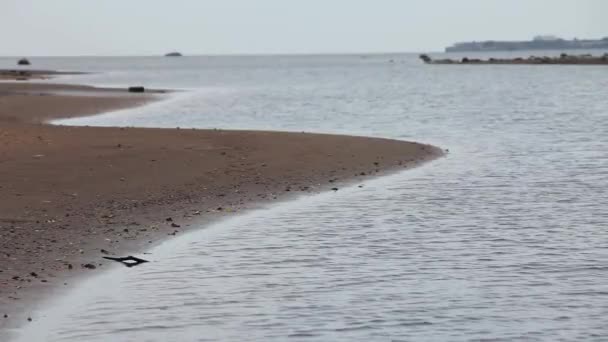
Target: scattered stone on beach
(169, 219)
(137, 89)
(103, 251)
(34, 274)
(335, 189)
(29, 319)
(89, 266)
(23, 61)
(175, 225)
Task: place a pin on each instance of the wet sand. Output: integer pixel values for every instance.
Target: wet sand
(71, 195)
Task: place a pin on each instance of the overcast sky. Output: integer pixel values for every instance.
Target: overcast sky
(150, 27)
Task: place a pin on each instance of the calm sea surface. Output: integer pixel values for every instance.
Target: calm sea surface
(504, 239)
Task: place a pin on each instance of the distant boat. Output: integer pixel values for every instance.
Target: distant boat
(173, 54)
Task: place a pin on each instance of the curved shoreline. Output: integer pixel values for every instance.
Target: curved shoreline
(67, 192)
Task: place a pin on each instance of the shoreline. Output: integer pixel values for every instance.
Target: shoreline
(26, 74)
(67, 192)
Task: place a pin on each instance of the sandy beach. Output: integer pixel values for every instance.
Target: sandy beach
(70, 195)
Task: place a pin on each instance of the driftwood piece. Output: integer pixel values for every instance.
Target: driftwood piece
(129, 261)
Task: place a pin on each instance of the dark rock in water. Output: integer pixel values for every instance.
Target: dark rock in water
(23, 61)
(129, 261)
(425, 58)
(137, 89)
(173, 54)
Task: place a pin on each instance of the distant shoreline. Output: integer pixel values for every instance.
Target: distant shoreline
(563, 59)
(537, 44)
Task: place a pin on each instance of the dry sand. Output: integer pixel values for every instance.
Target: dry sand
(66, 193)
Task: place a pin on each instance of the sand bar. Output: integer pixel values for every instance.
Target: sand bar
(67, 193)
(27, 74)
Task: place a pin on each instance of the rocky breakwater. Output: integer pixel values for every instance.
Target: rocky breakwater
(565, 59)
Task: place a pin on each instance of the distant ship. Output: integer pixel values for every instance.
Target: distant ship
(538, 43)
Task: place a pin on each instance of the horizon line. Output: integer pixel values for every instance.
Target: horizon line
(286, 54)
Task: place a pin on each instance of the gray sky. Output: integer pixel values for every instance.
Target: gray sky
(149, 27)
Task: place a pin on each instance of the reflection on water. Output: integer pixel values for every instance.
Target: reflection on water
(503, 239)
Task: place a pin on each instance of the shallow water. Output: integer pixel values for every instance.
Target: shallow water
(504, 239)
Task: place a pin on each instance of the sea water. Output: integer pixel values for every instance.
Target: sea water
(505, 238)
